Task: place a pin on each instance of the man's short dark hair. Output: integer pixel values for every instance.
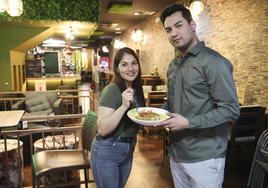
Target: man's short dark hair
(168, 11)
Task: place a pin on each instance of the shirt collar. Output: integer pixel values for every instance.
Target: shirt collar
(194, 51)
(197, 48)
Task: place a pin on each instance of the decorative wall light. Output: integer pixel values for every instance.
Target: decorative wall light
(13, 7)
(105, 49)
(197, 6)
(119, 44)
(137, 35)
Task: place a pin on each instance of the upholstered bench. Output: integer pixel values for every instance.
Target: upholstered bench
(40, 104)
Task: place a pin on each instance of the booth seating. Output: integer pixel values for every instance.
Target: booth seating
(41, 103)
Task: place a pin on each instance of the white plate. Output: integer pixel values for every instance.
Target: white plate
(133, 113)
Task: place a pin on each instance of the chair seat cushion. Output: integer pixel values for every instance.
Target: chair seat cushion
(38, 104)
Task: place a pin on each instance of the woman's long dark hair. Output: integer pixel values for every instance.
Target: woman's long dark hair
(137, 83)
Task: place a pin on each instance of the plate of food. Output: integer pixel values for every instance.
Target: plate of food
(147, 116)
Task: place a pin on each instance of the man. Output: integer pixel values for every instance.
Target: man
(202, 100)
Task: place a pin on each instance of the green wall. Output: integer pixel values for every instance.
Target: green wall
(10, 37)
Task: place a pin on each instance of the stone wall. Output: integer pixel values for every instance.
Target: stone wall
(237, 29)
(155, 50)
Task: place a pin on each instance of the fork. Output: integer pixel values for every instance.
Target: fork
(135, 101)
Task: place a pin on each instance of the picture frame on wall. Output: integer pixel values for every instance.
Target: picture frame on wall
(104, 63)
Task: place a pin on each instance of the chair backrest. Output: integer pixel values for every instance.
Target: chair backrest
(161, 88)
(146, 89)
(51, 95)
(257, 173)
(156, 98)
(250, 122)
(89, 129)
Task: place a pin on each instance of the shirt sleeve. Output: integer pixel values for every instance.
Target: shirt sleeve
(222, 90)
(110, 97)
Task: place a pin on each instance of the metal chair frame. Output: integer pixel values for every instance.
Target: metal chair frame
(259, 163)
(246, 130)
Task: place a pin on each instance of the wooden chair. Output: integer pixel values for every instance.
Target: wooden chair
(146, 90)
(155, 99)
(259, 165)
(245, 133)
(63, 160)
(161, 88)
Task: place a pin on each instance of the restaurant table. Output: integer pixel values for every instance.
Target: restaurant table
(11, 163)
(26, 138)
(10, 118)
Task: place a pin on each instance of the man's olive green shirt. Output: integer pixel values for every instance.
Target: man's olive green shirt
(202, 89)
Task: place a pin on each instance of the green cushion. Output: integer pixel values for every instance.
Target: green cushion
(38, 104)
(50, 95)
(89, 129)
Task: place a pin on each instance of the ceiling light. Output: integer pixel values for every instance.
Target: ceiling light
(69, 33)
(119, 44)
(114, 25)
(118, 32)
(105, 24)
(13, 7)
(150, 13)
(53, 45)
(117, 29)
(138, 13)
(54, 41)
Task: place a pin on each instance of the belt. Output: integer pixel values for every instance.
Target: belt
(116, 139)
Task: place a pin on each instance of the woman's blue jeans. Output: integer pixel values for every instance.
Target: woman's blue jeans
(111, 162)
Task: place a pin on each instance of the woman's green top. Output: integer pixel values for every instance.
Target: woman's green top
(111, 97)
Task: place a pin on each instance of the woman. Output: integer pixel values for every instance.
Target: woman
(112, 148)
